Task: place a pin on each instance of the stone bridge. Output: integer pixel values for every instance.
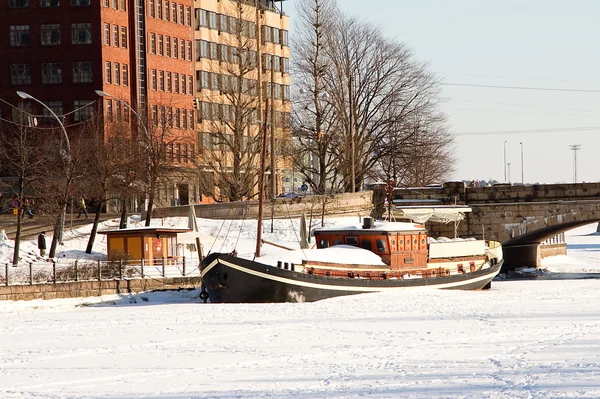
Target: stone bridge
(529, 220)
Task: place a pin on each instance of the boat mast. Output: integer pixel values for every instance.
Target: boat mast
(261, 172)
(261, 181)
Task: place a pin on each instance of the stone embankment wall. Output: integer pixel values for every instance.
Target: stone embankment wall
(82, 289)
(350, 203)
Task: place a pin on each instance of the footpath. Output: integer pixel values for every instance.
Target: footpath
(30, 228)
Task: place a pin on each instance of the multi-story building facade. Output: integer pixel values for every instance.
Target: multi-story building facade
(241, 46)
(147, 55)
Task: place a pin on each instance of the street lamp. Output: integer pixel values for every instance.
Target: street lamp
(56, 238)
(149, 144)
(105, 94)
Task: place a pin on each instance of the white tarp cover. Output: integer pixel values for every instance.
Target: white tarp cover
(435, 214)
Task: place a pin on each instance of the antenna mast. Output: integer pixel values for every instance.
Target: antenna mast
(575, 148)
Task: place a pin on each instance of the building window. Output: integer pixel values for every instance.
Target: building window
(82, 72)
(161, 80)
(190, 84)
(49, 3)
(160, 44)
(20, 74)
(81, 33)
(167, 17)
(109, 109)
(168, 45)
(107, 72)
(184, 121)
(82, 110)
(152, 8)
(182, 49)
(115, 4)
(175, 82)
(169, 87)
(78, 3)
(188, 16)
(51, 73)
(126, 112)
(56, 107)
(106, 3)
(107, 34)
(124, 36)
(174, 12)
(115, 30)
(125, 69)
(204, 18)
(50, 34)
(181, 15)
(175, 47)
(153, 79)
(284, 37)
(19, 36)
(159, 9)
(118, 107)
(18, 3)
(212, 20)
(117, 74)
(189, 50)
(123, 6)
(183, 80)
(152, 43)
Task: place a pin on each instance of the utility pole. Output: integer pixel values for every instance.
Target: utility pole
(522, 173)
(575, 148)
(505, 161)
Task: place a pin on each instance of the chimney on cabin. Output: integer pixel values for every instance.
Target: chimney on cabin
(368, 223)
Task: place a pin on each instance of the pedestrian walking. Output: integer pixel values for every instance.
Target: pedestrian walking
(82, 208)
(42, 244)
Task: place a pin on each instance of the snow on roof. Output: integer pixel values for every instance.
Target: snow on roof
(383, 226)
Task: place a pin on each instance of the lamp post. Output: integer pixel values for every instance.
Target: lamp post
(60, 226)
(148, 145)
(522, 173)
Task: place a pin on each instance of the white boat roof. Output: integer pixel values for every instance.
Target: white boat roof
(442, 213)
(382, 226)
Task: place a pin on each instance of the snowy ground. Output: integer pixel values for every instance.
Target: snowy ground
(521, 339)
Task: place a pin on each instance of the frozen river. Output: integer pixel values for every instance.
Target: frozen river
(521, 339)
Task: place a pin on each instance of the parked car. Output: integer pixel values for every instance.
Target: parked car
(291, 194)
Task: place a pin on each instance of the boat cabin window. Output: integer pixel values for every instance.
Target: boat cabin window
(337, 241)
(352, 240)
(323, 243)
(380, 245)
(366, 244)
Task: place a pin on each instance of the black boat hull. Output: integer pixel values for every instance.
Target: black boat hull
(228, 279)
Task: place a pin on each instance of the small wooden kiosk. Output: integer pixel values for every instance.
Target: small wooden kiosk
(149, 243)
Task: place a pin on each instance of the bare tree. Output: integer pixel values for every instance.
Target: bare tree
(22, 156)
(165, 151)
(232, 146)
(111, 166)
(379, 100)
(313, 118)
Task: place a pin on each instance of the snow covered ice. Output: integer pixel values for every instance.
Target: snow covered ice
(521, 339)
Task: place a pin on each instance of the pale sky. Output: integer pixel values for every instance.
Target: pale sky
(547, 44)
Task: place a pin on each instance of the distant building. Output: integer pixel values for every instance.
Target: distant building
(156, 56)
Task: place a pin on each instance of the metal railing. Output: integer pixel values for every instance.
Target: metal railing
(64, 271)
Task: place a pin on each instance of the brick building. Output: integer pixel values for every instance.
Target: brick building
(148, 56)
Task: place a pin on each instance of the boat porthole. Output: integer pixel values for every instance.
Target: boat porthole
(224, 276)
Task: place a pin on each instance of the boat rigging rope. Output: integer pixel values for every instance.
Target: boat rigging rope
(241, 227)
(287, 206)
(219, 232)
(227, 235)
